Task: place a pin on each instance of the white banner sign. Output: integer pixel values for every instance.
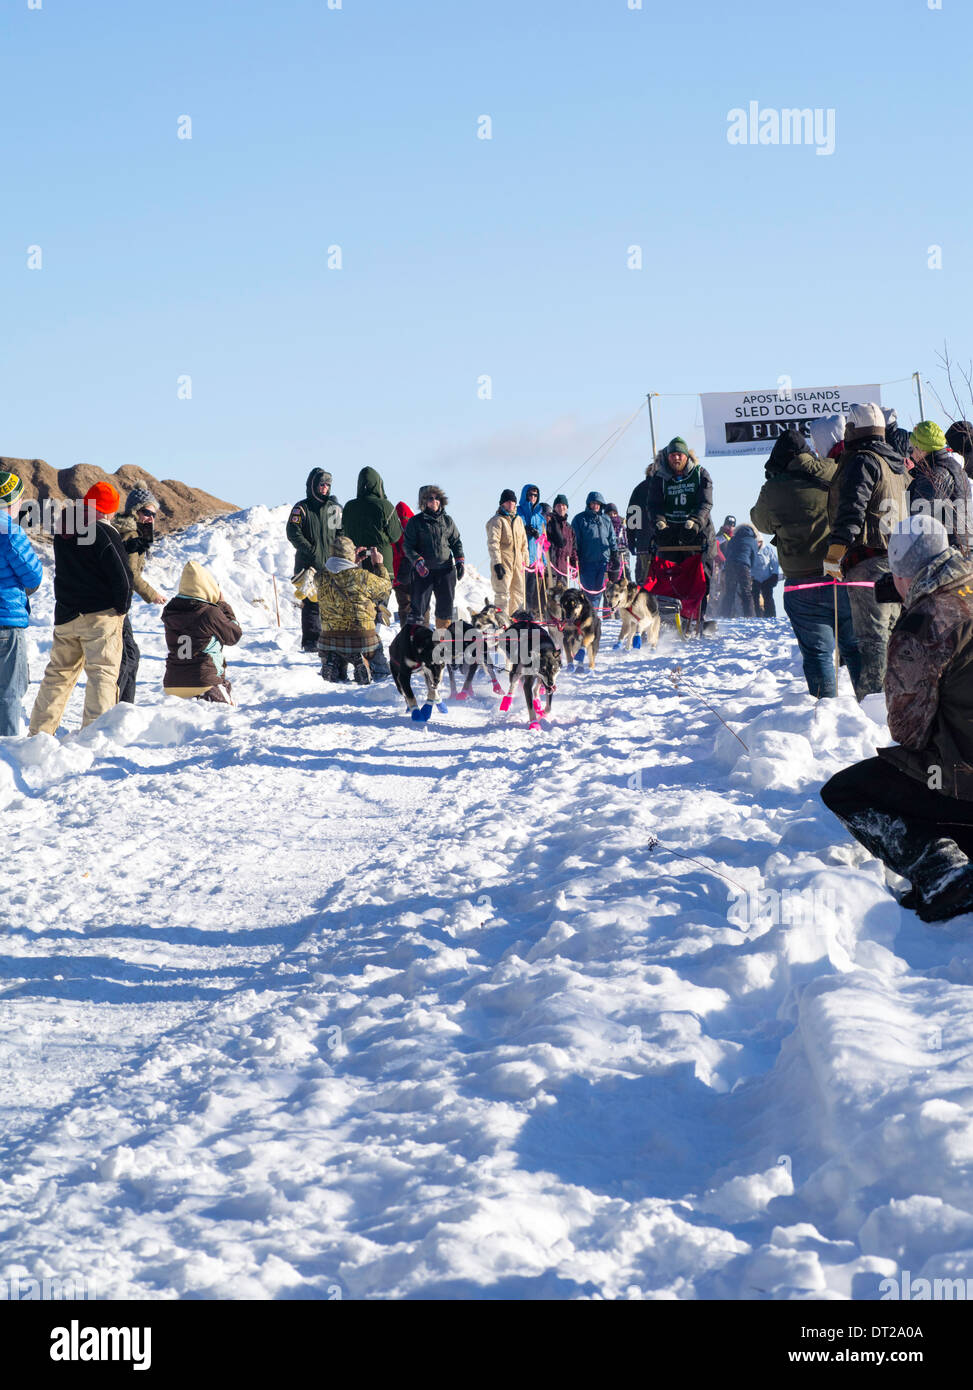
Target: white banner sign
(750, 422)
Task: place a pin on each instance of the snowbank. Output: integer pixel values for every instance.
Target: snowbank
(301, 999)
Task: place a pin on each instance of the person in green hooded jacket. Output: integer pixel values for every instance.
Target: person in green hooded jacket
(370, 519)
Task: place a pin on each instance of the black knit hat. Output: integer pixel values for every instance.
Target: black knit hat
(560, 498)
(959, 437)
(508, 495)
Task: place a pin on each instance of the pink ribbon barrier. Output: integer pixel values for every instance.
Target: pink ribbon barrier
(830, 584)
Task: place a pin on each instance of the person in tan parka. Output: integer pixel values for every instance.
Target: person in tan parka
(508, 551)
(347, 596)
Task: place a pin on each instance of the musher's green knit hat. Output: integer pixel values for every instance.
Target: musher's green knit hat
(677, 446)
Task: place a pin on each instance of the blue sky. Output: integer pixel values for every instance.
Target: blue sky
(461, 257)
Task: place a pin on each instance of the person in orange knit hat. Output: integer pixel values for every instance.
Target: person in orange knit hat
(92, 594)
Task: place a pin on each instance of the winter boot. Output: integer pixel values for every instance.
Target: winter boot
(940, 873)
(333, 667)
(363, 674)
(379, 663)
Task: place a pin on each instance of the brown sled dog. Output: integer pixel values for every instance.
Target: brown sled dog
(638, 611)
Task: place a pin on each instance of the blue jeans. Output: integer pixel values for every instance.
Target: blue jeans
(812, 614)
(13, 679)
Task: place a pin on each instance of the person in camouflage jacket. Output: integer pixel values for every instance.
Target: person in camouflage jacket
(347, 595)
(912, 805)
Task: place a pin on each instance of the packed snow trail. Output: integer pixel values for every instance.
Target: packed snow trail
(301, 999)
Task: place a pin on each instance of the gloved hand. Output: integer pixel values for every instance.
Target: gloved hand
(460, 569)
(532, 533)
(690, 525)
(660, 524)
(499, 571)
(833, 559)
(420, 567)
(885, 590)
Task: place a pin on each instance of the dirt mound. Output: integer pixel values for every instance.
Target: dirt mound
(179, 504)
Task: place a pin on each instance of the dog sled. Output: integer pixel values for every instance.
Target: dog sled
(677, 581)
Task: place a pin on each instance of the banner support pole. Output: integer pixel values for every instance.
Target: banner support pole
(648, 397)
(916, 379)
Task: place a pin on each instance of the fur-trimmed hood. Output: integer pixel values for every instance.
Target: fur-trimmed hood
(429, 490)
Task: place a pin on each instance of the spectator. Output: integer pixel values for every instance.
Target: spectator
(401, 569)
(793, 505)
(314, 523)
(894, 433)
(740, 552)
(621, 540)
(92, 594)
(198, 623)
(868, 495)
(433, 547)
(959, 438)
(912, 805)
(765, 574)
(20, 575)
(136, 527)
(939, 486)
(348, 595)
(369, 519)
(563, 548)
(508, 549)
(532, 515)
(597, 548)
(827, 436)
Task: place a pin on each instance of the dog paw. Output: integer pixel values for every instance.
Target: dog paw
(637, 641)
(538, 707)
(421, 716)
(442, 707)
(461, 695)
(535, 725)
(505, 703)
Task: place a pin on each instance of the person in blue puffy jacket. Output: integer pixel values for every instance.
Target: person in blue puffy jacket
(597, 546)
(532, 514)
(20, 574)
(741, 552)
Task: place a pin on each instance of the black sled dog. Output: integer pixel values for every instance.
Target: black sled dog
(418, 648)
(535, 659)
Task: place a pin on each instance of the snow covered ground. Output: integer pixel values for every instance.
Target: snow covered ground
(302, 1000)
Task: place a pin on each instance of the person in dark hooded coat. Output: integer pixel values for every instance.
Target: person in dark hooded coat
(793, 507)
(370, 519)
(312, 528)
